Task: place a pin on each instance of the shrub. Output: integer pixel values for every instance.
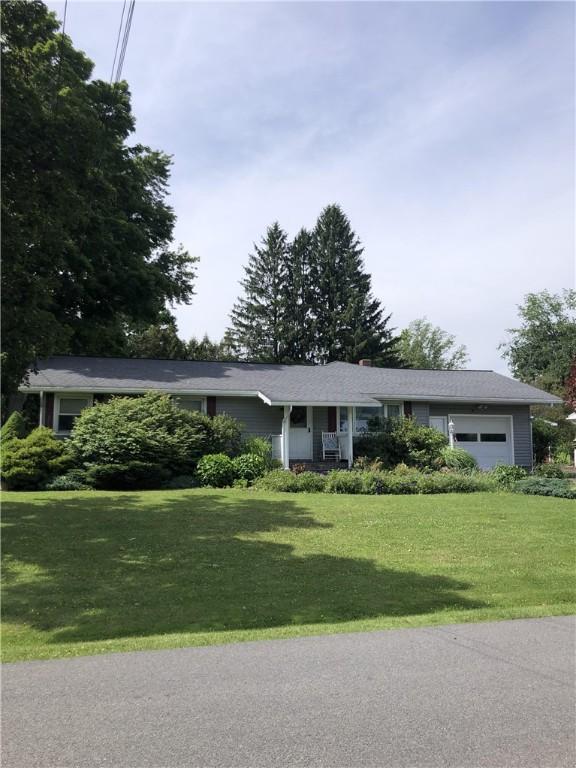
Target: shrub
(310, 482)
(452, 482)
(545, 486)
(278, 480)
(130, 475)
(549, 470)
(563, 457)
(28, 463)
(13, 428)
(366, 464)
(344, 481)
(458, 458)
(395, 441)
(147, 429)
(249, 467)
(505, 475)
(67, 482)
(259, 446)
(181, 482)
(226, 435)
(216, 470)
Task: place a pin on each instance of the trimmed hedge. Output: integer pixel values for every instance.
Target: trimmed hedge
(544, 486)
(375, 482)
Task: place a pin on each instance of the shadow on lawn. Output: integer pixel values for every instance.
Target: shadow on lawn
(129, 565)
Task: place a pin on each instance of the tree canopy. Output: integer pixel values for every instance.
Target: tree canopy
(542, 349)
(423, 345)
(310, 300)
(87, 231)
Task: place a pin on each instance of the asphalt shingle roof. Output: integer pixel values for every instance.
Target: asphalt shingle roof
(335, 383)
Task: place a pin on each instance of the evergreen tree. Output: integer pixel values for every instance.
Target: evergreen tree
(160, 340)
(349, 323)
(257, 319)
(206, 349)
(298, 325)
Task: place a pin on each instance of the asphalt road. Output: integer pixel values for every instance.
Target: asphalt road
(498, 694)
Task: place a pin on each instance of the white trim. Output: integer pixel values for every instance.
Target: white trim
(350, 451)
(42, 409)
(492, 416)
(56, 411)
(268, 401)
(286, 437)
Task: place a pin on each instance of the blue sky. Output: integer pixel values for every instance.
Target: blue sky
(445, 130)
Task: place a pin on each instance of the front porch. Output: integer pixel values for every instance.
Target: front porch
(310, 436)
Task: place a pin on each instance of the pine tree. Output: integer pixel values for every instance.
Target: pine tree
(298, 322)
(349, 323)
(257, 319)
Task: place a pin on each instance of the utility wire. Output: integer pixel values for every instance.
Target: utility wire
(127, 27)
(117, 42)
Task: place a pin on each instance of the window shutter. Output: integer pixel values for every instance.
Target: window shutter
(332, 418)
(407, 409)
(211, 406)
(49, 409)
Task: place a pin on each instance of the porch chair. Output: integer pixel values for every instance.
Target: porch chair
(331, 446)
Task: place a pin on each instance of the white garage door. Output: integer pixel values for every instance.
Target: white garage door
(487, 438)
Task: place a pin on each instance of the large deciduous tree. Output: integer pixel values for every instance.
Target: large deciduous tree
(423, 345)
(542, 349)
(87, 231)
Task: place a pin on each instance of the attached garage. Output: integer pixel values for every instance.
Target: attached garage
(488, 438)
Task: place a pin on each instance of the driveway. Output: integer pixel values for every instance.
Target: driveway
(498, 694)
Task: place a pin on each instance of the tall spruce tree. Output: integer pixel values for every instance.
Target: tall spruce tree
(257, 318)
(349, 323)
(298, 326)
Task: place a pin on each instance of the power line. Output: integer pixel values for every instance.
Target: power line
(117, 42)
(124, 45)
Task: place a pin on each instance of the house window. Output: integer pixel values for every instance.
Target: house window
(466, 437)
(190, 403)
(365, 413)
(69, 408)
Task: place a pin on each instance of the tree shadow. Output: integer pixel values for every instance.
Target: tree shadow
(101, 567)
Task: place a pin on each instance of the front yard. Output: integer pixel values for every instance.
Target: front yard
(94, 572)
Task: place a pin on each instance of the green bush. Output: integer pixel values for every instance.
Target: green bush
(249, 467)
(278, 480)
(452, 482)
(127, 476)
(28, 463)
(344, 481)
(549, 470)
(260, 446)
(13, 428)
(505, 475)
(458, 458)
(216, 470)
(226, 435)
(149, 429)
(545, 486)
(395, 441)
(563, 457)
(310, 482)
(67, 482)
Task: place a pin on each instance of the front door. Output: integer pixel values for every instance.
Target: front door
(301, 433)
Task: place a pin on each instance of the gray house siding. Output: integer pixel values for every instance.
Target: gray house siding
(257, 417)
(521, 424)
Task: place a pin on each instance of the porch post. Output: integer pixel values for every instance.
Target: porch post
(286, 437)
(350, 436)
(42, 406)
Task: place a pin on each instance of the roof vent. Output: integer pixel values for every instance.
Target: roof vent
(366, 362)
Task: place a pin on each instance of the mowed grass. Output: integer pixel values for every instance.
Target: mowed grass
(91, 572)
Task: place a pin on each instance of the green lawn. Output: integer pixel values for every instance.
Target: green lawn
(95, 572)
